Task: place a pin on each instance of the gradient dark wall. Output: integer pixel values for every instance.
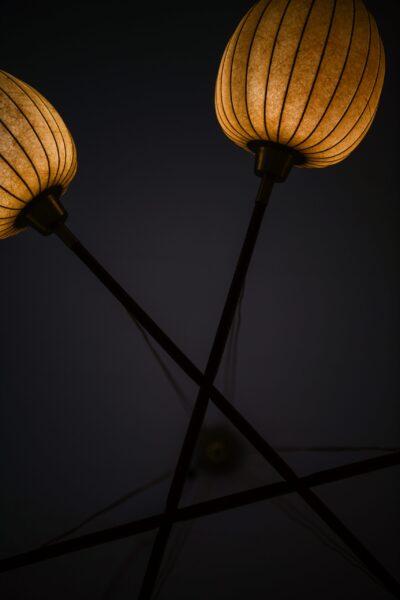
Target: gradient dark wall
(163, 199)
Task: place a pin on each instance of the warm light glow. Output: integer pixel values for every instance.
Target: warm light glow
(303, 73)
(37, 151)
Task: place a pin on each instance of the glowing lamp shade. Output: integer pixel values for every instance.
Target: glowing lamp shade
(37, 152)
(307, 74)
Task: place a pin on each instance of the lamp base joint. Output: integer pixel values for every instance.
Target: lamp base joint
(44, 213)
(274, 160)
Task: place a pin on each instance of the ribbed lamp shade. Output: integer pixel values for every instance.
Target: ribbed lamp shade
(307, 74)
(37, 152)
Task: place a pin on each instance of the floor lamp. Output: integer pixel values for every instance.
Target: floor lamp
(298, 85)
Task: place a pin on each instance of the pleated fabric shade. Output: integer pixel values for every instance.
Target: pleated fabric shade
(37, 152)
(307, 74)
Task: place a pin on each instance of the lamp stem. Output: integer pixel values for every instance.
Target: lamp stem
(132, 307)
(209, 390)
(195, 511)
(201, 405)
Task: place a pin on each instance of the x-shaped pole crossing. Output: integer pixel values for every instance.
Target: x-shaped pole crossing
(173, 513)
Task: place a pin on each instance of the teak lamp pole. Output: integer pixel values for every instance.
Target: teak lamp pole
(195, 511)
(299, 80)
(273, 163)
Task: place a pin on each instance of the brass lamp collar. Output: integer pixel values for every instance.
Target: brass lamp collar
(274, 160)
(44, 213)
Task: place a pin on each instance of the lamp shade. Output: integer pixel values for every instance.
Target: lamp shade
(306, 74)
(37, 152)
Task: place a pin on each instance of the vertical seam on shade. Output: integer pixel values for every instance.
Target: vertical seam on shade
(241, 141)
(312, 4)
(72, 167)
(73, 164)
(6, 227)
(218, 88)
(355, 93)
(23, 150)
(12, 195)
(365, 108)
(26, 118)
(218, 91)
(247, 17)
(7, 231)
(337, 84)
(228, 124)
(345, 153)
(10, 207)
(37, 95)
(271, 58)
(5, 234)
(228, 130)
(60, 176)
(261, 18)
(17, 174)
(317, 72)
(35, 98)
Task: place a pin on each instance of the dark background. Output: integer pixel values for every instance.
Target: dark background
(163, 199)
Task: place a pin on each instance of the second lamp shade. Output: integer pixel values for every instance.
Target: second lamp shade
(37, 152)
(307, 74)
